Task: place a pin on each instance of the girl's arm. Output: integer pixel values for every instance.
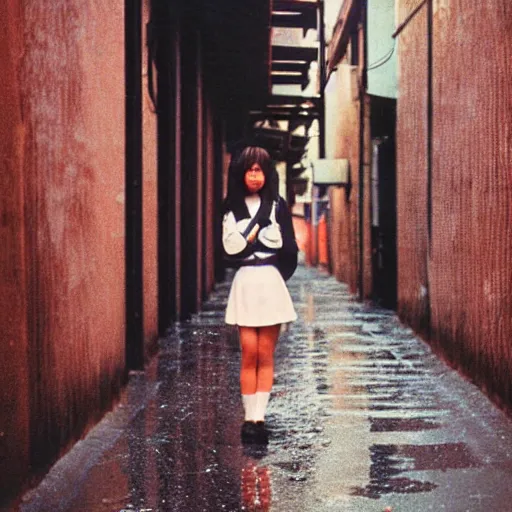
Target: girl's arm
(284, 218)
(288, 254)
(232, 240)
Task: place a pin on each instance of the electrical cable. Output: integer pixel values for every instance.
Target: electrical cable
(382, 60)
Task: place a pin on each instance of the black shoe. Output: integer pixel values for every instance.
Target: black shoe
(261, 433)
(249, 432)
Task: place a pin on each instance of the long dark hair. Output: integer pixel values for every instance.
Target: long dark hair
(241, 161)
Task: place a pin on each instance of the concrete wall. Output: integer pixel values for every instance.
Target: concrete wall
(467, 277)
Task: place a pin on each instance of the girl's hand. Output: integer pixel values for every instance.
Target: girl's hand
(252, 235)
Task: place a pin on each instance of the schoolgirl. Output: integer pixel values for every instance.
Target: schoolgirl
(259, 240)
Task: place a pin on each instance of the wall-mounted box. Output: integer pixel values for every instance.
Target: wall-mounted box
(331, 172)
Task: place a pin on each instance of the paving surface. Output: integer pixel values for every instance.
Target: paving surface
(363, 417)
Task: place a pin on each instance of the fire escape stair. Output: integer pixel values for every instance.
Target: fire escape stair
(290, 65)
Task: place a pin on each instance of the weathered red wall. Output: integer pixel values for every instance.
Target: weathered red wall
(411, 147)
(342, 141)
(149, 214)
(471, 277)
(470, 268)
(14, 416)
(72, 94)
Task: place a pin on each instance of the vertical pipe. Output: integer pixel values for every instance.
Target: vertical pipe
(133, 186)
(189, 171)
(323, 77)
(430, 134)
(218, 140)
(314, 226)
(205, 199)
(362, 108)
(178, 165)
(322, 133)
(321, 122)
(166, 157)
(200, 217)
(430, 92)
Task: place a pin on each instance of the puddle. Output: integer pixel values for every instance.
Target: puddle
(390, 461)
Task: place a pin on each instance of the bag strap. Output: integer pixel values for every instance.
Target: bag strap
(273, 212)
(253, 221)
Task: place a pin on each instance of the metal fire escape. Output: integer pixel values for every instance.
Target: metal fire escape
(291, 65)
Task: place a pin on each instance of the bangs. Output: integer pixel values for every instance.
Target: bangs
(255, 155)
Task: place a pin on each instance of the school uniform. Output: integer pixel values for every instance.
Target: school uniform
(258, 295)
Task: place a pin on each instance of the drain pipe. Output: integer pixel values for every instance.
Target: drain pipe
(321, 139)
(362, 127)
(323, 78)
(134, 338)
(430, 137)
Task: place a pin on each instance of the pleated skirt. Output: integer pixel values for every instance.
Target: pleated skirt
(259, 297)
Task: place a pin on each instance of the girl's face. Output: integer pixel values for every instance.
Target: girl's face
(254, 178)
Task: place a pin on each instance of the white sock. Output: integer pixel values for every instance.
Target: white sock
(249, 402)
(262, 398)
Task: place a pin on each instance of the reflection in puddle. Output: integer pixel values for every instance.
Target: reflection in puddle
(388, 461)
(255, 487)
(375, 489)
(402, 424)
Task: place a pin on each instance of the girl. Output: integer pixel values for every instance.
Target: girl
(258, 239)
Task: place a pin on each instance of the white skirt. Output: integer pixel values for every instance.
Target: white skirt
(259, 297)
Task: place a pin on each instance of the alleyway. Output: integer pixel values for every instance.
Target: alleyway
(363, 418)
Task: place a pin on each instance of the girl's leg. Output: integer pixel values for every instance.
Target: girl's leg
(248, 368)
(267, 340)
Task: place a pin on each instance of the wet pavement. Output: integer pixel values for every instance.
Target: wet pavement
(363, 417)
